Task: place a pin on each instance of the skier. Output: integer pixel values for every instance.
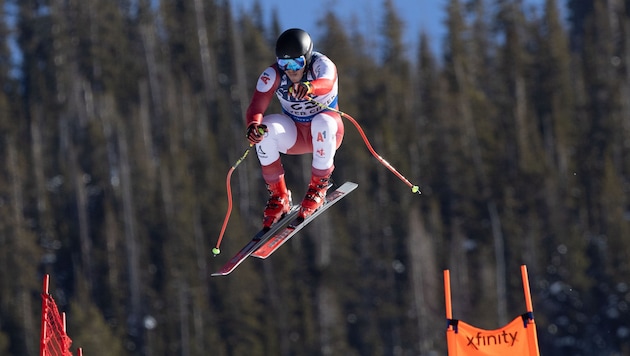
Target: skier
(299, 77)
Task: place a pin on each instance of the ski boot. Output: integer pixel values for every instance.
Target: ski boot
(315, 196)
(279, 203)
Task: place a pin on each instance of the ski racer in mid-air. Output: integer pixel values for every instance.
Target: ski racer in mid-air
(300, 79)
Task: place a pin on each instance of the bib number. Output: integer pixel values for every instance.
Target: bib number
(308, 107)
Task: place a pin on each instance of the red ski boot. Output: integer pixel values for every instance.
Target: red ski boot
(279, 202)
(315, 196)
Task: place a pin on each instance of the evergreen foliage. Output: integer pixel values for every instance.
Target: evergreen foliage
(119, 120)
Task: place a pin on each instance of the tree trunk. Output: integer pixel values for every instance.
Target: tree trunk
(132, 244)
(472, 143)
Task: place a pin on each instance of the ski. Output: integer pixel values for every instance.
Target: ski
(268, 247)
(258, 240)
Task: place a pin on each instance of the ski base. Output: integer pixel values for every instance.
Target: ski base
(258, 240)
(272, 244)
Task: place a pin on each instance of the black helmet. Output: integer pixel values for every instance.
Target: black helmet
(294, 43)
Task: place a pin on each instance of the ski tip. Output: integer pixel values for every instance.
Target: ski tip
(347, 187)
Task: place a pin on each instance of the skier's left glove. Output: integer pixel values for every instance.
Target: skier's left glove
(301, 90)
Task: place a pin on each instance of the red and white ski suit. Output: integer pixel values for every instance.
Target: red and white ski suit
(302, 127)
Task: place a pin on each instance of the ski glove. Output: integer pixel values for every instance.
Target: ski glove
(255, 132)
(301, 90)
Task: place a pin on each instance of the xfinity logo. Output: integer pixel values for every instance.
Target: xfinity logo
(487, 340)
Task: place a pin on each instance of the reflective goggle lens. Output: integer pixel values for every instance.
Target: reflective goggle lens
(292, 63)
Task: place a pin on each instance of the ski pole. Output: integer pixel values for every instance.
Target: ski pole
(216, 250)
(414, 188)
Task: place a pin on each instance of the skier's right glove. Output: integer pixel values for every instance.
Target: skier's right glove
(255, 132)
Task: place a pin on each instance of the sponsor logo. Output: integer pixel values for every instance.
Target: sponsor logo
(480, 340)
(261, 153)
(265, 81)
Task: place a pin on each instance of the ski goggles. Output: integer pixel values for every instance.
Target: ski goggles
(292, 63)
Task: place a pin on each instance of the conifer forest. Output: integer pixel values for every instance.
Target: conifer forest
(119, 120)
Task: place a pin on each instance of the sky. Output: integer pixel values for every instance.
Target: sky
(417, 16)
